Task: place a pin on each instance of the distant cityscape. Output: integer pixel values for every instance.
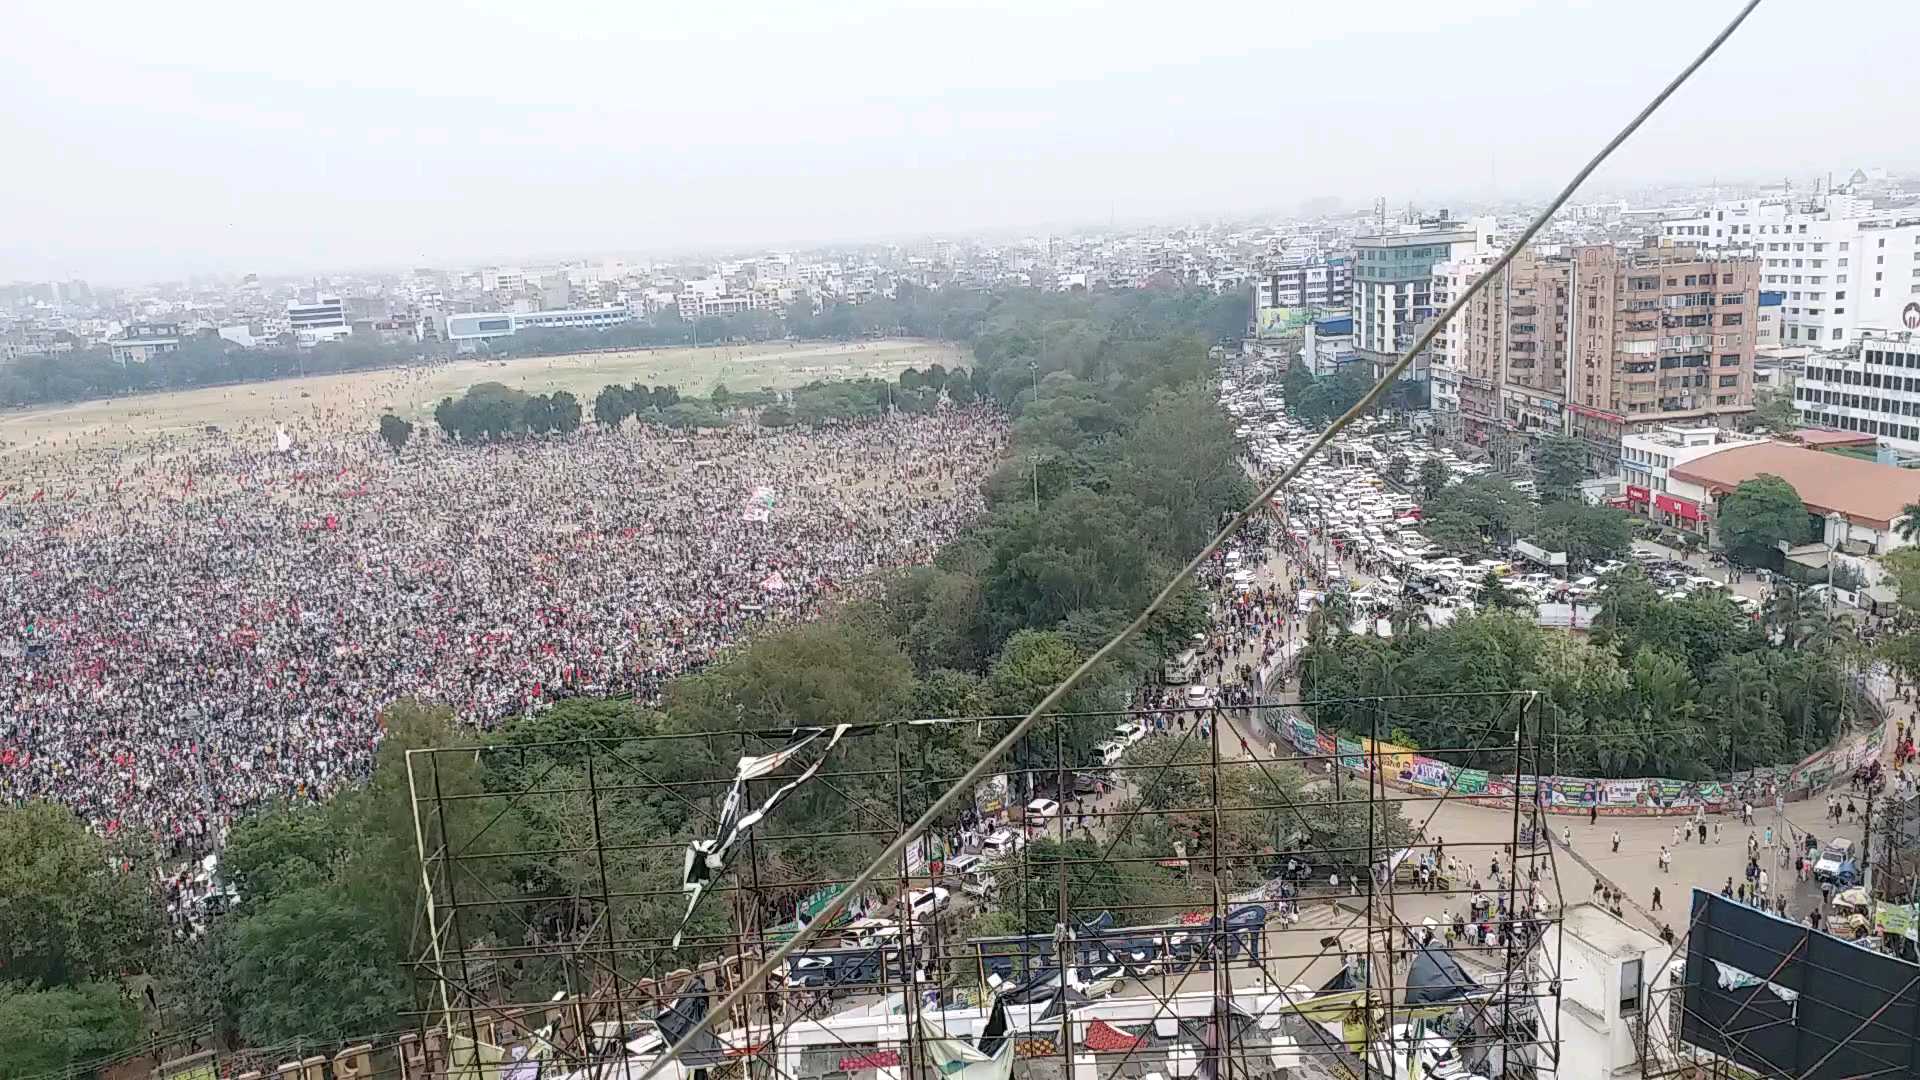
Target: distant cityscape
(1623, 317)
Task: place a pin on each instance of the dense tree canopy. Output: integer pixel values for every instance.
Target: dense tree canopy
(1760, 514)
(1559, 464)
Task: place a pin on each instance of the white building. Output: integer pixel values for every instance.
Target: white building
(471, 327)
(1445, 356)
(1393, 285)
(1327, 345)
(1872, 387)
(1605, 968)
(1290, 291)
(145, 341)
(1843, 265)
(323, 320)
(1645, 463)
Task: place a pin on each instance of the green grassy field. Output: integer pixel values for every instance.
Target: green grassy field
(352, 403)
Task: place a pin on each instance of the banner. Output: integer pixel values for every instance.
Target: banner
(1429, 773)
(1471, 782)
(1394, 760)
(1302, 735)
(1902, 919)
(1351, 753)
(1625, 793)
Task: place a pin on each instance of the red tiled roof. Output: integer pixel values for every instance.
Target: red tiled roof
(1866, 492)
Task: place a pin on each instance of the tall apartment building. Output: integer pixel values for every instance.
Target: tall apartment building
(1446, 358)
(1291, 291)
(1393, 288)
(1511, 349)
(1872, 386)
(1658, 336)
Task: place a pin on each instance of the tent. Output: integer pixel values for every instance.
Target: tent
(1436, 977)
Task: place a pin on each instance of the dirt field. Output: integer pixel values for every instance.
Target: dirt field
(331, 404)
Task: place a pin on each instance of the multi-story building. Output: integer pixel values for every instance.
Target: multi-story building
(323, 320)
(144, 341)
(1327, 345)
(468, 328)
(1445, 360)
(1509, 345)
(1292, 291)
(1658, 336)
(1393, 288)
(1646, 457)
(1872, 387)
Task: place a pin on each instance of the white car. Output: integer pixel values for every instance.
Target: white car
(1199, 696)
(1042, 808)
(1111, 752)
(928, 904)
(1002, 844)
(1126, 734)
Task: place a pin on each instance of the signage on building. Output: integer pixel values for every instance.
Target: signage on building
(1612, 418)
(1910, 315)
(1639, 494)
(1677, 507)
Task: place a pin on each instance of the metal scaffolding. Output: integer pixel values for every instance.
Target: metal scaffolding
(1319, 950)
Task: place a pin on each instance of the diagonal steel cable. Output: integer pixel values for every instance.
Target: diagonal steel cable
(887, 859)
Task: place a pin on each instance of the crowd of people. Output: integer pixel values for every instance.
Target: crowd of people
(195, 626)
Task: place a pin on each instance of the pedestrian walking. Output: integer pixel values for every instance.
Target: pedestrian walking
(1616, 841)
(1656, 898)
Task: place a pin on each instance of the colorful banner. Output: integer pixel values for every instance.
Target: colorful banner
(1351, 753)
(1471, 782)
(1301, 733)
(1430, 774)
(1901, 919)
(1393, 759)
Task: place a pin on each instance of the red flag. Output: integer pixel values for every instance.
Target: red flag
(38, 495)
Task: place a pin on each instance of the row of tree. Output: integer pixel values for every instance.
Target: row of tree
(491, 411)
(1678, 688)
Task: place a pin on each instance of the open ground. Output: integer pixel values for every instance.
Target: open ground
(326, 405)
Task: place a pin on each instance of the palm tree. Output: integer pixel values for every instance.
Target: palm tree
(1909, 524)
(1409, 614)
(1334, 613)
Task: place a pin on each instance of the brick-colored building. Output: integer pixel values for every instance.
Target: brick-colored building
(1659, 336)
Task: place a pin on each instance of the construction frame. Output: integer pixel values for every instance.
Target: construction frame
(1230, 958)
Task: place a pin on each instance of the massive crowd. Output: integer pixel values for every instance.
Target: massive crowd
(191, 629)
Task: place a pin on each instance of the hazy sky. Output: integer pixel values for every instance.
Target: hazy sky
(145, 139)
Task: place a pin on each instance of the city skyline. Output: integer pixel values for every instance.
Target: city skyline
(182, 147)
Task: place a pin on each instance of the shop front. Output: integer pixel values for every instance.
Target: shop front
(1677, 512)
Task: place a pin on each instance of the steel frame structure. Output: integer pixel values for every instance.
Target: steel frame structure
(1217, 998)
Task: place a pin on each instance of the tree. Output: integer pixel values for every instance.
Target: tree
(537, 414)
(1495, 596)
(46, 1030)
(776, 416)
(721, 396)
(564, 412)
(74, 913)
(1588, 534)
(910, 379)
(1775, 411)
(1559, 464)
(1398, 466)
(1434, 476)
(1908, 525)
(1759, 515)
(960, 389)
(487, 411)
(395, 432)
(612, 405)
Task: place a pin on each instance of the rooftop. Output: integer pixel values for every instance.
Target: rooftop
(1865, 492)
(1610, 936)
(1820, 438)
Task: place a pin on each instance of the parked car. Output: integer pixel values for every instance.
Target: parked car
(1042, 808)
(1002, 844)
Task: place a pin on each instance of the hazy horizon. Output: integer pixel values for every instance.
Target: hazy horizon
(229, 139)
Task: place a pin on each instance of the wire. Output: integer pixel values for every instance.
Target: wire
(888, 858)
